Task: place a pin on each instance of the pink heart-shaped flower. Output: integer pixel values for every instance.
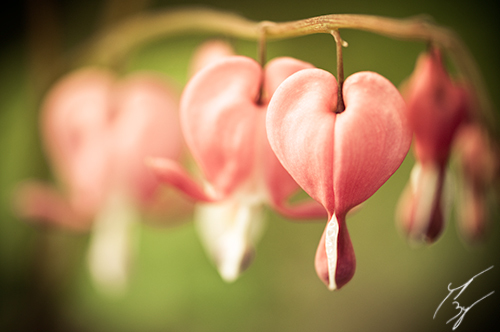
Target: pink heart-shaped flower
(339, 159)
(97, 132)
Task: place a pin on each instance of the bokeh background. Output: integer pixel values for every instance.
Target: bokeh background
(44, 281)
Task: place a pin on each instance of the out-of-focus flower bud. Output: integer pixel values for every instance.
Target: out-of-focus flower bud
(437, 106)
(478, 169)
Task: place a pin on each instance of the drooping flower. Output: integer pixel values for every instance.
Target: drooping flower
(339, 159)
(97, 132)
(223, 111)
(478, 168)
(436, 108)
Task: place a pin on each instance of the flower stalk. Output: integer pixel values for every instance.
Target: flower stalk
(340, 70)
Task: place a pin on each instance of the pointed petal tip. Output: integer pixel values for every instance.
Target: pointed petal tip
(172, 173)
(228, 273)
(232, 264)
(332, 287)
(330, 283)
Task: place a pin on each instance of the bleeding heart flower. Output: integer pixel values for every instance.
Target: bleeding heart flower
(436, 108)
(223, 110)
(339, 159)
(97, 132)
(478, 168)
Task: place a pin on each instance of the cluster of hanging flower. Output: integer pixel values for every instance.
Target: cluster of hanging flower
(255, 136)
(441, 115)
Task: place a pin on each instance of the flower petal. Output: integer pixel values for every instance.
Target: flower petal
(300, 127)
(276, 71)
(112, 244)
(229, 231)
(478, 169)
(436, 107)
(423, 207)
(219, 118)
(280, 185)
(335, 254)
(74, 127)
(42, 203)
(372, 138)
(145, 123)
(172, 173)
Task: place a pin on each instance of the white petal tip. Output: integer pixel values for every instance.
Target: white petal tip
(331, 240)
(232, 263)
(229, 273)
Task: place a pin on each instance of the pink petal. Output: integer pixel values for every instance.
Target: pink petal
(300, 128)
(144, 124)
(473, 218)
(219, 118)
(477, 156)
(279, 182)
(436, 107)
(307, 211)
(41, 203)
(345, 264)
(276, 71)
(478, 168)
(372, 138)
(172, 173)
(74, 127)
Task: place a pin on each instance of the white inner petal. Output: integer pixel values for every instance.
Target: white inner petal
(331, 240)
(425, 186)
(229, 231)
(448, 196)
(110, 245)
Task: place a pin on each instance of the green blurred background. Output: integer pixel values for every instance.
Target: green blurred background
(44, 282)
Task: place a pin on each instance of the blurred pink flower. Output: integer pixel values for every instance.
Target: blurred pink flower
(97, 131)
(339, 159)
(223, 110)
(436, 108)
(478, 169)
